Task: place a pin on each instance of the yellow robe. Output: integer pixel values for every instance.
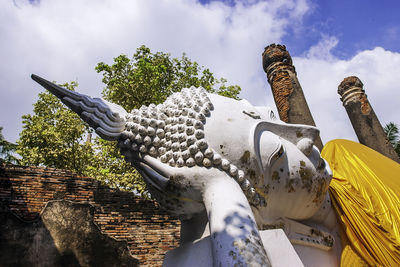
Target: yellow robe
(365, 192)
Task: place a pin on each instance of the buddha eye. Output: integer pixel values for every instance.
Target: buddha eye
(279, 153)
(321, 164)
(269, 149)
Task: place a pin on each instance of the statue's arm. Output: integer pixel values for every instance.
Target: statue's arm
(233, 230)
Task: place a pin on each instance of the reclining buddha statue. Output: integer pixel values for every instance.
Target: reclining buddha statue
(249, 189)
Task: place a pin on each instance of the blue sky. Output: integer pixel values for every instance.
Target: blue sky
(359, 24)
(328, 40)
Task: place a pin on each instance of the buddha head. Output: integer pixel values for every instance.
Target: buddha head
(194, 137)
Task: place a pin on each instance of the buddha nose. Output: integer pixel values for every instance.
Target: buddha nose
(306, 136)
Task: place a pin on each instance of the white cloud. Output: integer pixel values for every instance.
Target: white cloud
(321, 73)
(322, 50)
(64, 40)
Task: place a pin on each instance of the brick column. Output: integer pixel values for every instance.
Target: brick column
(363, 118)
(288, 94)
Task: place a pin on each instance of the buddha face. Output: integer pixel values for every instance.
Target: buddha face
(294, 177)
(279, 159)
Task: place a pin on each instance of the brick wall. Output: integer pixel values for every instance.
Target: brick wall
(149, 230)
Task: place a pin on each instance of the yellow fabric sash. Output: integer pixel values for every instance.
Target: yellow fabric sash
(365, 192)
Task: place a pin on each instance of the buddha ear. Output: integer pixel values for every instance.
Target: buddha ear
(106, 118)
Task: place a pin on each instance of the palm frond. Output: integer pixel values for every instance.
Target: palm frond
(392, 133)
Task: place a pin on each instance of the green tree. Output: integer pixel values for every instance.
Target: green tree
(392, 133)
(151, 77)
(7, 150)
(54, 136)
(109, 167)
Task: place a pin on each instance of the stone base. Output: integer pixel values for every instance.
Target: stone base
(279, 250)
(195, 254)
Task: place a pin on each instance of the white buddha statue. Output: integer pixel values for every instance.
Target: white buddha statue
(250, 190)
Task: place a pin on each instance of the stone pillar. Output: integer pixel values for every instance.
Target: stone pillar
(363, 118)
(288, 94)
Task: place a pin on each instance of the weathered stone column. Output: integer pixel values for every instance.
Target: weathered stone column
(288, 94)
(363, 118)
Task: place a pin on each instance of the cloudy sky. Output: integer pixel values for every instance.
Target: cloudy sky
(328, 40)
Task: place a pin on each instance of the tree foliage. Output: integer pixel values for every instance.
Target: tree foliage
(56, 137)
(109, 166)
(392, 133)
(151, 77)
(7, 150)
